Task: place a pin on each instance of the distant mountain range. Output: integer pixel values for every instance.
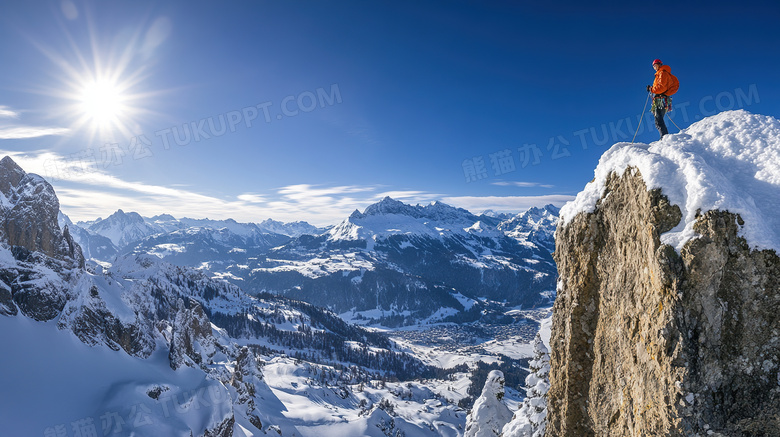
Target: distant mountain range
(393, 263)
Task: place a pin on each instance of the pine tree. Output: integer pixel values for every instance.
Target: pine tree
(489, 414)
(531, 419)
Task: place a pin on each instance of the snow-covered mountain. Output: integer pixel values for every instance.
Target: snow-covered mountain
(404, 264)
(292, 229)
(536, 225)
(187, 242)
(123, 228)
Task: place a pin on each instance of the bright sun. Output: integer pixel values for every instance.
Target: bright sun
(104, 88)
(103, 103)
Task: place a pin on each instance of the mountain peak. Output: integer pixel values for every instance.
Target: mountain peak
(10, 175)
(133, 217)
(356, 215)
(30, 214)
(388, 205)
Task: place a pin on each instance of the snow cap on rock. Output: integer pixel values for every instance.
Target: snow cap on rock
(728, 162)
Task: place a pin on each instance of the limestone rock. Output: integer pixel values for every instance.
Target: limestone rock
(648, 342)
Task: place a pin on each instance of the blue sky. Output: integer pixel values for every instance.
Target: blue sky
(308, 110)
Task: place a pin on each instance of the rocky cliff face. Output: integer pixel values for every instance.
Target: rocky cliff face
(647, 340)
(29, 210)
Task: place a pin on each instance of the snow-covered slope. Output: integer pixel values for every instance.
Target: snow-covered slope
(730, 162)
(218, 251)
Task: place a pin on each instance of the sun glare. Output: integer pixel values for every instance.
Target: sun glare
(104, 87)
(102, 102)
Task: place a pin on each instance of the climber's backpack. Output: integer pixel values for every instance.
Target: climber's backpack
(674, 85)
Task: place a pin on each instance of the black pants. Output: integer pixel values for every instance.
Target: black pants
(659, 113)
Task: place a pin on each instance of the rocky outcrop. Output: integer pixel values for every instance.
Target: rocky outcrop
(192, 342)
(7, 305)
(647, 340)
(29, 215)
(244, 379)
(39, 285)
(89, 318)
(223, 429)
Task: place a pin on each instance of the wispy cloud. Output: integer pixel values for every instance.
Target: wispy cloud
(86, 194)
(22, 132)
(521, 184)
(252, 198)
(6, 112)
(16, 131)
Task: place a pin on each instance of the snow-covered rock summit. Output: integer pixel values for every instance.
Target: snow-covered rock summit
(728, 162)
(391, 217)
(437, 211)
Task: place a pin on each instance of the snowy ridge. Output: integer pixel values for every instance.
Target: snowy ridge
(730, 162)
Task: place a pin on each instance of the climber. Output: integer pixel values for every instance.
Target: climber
(664, 85)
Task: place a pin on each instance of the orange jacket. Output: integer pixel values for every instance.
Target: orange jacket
(663, 79)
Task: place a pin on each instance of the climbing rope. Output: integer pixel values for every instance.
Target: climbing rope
(641, 118)
(675, 124)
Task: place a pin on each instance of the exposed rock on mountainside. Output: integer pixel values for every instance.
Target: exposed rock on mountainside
(647, 340)
(192, 342)
(29, 210)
